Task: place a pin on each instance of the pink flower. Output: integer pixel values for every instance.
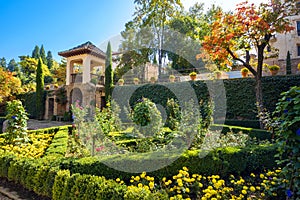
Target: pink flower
(99, 148)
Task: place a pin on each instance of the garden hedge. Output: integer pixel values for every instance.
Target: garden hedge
(221, 161)
(240, 93)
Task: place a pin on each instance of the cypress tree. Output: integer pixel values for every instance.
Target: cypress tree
(43, 55)
(49, 60)
(39, 90)
(108, 74)
(288, 63)
(36, 52)
(3, 62)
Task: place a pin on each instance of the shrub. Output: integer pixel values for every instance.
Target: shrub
(147, 118)
(17, 123)
(288, 138)
(173, 114)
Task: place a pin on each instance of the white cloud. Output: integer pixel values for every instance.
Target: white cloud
(226, 5)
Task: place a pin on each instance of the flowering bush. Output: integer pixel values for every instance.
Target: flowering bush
(195, 186)
(35, 149)
(17, 123)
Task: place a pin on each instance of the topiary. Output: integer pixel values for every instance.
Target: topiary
(147, 118)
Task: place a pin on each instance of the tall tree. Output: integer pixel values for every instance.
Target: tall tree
(9, 84)
(43, 55)
(154, 14)
(249, 27)
(36, 52)
(12, 65)
(49, 60)
(108, 74)
(40, 90)
(3, 62)
(288, 63)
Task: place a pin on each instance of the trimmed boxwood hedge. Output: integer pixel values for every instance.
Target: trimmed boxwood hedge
(60, 178)
(240, 93)
(221, 161)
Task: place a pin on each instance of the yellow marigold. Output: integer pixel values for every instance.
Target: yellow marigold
(140, 185)
(164, 179)
(118, 180)
(261, 176)
(257, 187)
(262, 194)
(200, 185)
(143, 175)
(137, 178)
(187, 190)
(252, 174)
(273, 183)
(151, 185)
(146, 187)
(185, 169)
(252, 189)
(244, 191)
(214, 199)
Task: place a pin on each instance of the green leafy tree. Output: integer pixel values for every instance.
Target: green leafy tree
(288, 63)
(108, 74)
(250, 27)
(43, 55)
(12, 65)
(40, 90)
(49, 60)
(36, 52)
(3, 62)
(155, 14)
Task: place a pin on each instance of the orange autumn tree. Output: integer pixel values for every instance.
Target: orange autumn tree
(249, 27)
(9, 84)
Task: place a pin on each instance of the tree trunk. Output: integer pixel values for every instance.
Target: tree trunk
(258, 88)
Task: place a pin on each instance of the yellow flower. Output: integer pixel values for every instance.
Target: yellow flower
(185, 168)
(187, 190)
(252, 189)
(244, 192)
(261, 176)
(151, 185)
(200, 185)
(118, 180)
(252, 174)
(143, 175)
(262, 194)
(140, 185)
(137, 178)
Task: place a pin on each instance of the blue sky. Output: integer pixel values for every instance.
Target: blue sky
(63, 24)
(58, 24)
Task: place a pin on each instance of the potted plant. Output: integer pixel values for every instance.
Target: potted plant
(121, 81)
(172, 78)
(193, 76)
(152, 79)
(274, 69)
(136, 81)
(244, 72)
(218, 74)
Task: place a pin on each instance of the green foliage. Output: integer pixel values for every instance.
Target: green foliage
(173, 114)
(222, 161)
(43, 55)
(17, 123)
(40, 90)
(108, 118)
(3, 62)
(49, 60)
(288, 64)
(108, 73)
(288, 138)
(12, 65)
(147, 118)
(36, 52)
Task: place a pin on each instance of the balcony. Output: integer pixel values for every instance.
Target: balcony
(95, 78)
